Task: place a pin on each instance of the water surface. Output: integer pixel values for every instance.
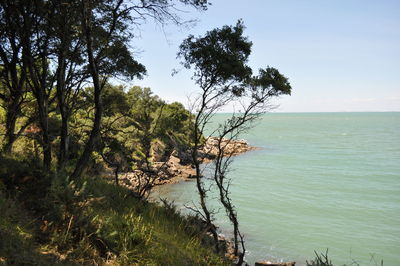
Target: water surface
(320, 180)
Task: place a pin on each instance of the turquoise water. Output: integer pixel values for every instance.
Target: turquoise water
(320, 180)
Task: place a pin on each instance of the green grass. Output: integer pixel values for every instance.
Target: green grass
(93, 222)
(18, 245)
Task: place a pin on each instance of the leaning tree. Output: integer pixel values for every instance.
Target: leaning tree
(219, 62)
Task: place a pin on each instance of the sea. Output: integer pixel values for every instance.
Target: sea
(318, 183)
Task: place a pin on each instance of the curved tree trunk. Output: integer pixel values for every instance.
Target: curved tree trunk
(93, 68)
(201, 190)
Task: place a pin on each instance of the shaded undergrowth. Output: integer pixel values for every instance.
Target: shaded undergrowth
(49, 219)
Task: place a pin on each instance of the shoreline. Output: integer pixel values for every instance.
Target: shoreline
(174, 171)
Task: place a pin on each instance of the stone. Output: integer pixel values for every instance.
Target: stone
(269, 263)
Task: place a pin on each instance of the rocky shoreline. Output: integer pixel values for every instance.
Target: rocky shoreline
(176, 170)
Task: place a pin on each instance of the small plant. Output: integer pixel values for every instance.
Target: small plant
(323, 260)
(320, 260)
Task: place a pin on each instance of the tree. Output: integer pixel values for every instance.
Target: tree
(39, 34)
(139, 133)
(219, 61)
(110, 24)
(54, 48)
(36, 51)
(70, 66)
(105, 27)
(12, 74)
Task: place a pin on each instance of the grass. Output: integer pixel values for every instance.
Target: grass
(322, 259)
(52, 220)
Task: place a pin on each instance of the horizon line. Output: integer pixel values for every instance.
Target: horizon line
(294, 112)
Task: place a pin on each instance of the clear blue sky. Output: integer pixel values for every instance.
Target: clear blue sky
(339, 55)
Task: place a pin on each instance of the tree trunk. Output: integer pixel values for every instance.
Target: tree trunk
(64, 143)
(93, 68)
(44, 125)
(35, 63)
(200, 188)
(11, 119)
(61, 90)
(93, 138)
(203, 205)
(116, 174)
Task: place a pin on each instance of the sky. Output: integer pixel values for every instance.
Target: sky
(339, 55)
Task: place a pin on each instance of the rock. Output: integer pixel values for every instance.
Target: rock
(178, 166)
(231, 147)
(263, 263)
(174, 160)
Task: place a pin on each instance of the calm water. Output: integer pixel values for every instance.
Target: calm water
(320, 180)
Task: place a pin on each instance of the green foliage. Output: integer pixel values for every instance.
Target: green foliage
(174, 118)
(143, 106)
(2, 114)
(271, 81)
(90, 222)
(219, 56)
(114, 100)
(17, 172)
(139, 127)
